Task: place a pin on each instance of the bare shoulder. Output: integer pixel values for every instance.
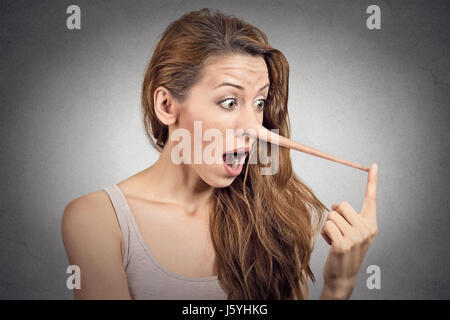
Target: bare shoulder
(92, 210)
(90, 220)
(93, 241)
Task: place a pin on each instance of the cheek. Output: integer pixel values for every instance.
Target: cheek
(204, 114)
(207, 118)
(260, 117)
(186, 120)
(207, 132)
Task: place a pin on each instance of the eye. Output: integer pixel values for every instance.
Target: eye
(261, 104)
(228, 105)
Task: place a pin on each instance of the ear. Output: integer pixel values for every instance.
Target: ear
(164, 107)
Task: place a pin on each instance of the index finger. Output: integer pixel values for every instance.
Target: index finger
(370, 198)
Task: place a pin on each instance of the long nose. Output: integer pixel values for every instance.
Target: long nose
(254, 130)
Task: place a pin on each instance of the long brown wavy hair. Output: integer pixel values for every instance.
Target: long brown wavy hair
(263, 227)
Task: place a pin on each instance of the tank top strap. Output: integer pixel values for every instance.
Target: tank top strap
(122, 211)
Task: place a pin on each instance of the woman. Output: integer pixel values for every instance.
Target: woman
(197, 230)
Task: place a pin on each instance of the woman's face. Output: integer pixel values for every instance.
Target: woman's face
(230, 96)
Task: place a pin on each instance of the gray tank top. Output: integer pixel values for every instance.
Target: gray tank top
(147, 278)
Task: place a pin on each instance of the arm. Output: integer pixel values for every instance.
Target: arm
(91, 238)
(341, 292)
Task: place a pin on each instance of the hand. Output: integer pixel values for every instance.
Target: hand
(350, 235)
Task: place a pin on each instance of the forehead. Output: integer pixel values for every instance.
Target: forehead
(245, 70)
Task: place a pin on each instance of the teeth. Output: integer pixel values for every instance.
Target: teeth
(233, 159)
(235, 163)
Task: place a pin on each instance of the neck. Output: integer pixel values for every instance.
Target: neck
(178, 184)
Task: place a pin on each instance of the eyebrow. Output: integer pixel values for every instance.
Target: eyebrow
(238, 86)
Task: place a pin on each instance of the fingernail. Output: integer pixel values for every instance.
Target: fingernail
(375, 168)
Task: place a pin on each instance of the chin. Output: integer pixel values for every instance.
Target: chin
(218, 182)
(223, 183)
(216, 178)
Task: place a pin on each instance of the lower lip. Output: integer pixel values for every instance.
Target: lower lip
(234, 172)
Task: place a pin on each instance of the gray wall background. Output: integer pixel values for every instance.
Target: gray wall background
(70, 124)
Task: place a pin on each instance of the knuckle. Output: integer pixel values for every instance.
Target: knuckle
(365, 235)
(364, 232)
(332, 214)
(345, 204)
(356, 239)
(374, 231)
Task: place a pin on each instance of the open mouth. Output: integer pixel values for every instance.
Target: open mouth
(235, 157)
